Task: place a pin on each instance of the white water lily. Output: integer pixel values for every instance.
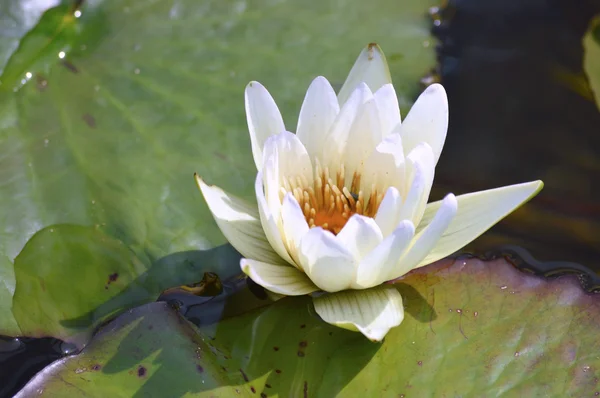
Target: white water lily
(342, 204)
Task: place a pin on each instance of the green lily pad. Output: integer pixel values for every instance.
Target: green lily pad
(471, 328)
(591, 57)
(16, 19)
(104, 277)
(106, 115)
(8, 323)
(135, 354)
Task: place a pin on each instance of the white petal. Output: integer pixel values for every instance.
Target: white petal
(359, 236)
(363, 137)
(427, 121)
(426, 239)
(385, 166)
(335, 143)
(286, 165)
(280, 279)
(477, 212)
(328, 264)
(272, 184)
(294, 225)
(239, 222)
(318, 112)
(377, 266)
(373, 312)
(389, 110)
(264, 118)
(388, 214)
(371, 68)
(268, 221)
(290, 156)
(420, 169)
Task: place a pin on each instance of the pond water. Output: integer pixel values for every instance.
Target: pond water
(516, 117)
(510, 69)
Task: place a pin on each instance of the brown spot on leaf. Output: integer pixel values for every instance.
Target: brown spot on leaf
(305, 388)
(253, 389)
(220, 155)
(275, 348)
(96, 367)
(244, 375)
(199, 368)
(302, 326)
(263, 395)
(267, 385)
(89, 120)
(420, 363)
(278, 371)
(303, 344)
(141, 371)
(69, 65)
(41, 82)
(111, 278)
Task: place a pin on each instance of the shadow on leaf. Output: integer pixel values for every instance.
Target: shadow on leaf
(415, 304)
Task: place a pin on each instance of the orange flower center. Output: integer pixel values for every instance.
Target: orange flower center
(329, 204)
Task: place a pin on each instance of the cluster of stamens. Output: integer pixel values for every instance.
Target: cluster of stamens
(330, 203)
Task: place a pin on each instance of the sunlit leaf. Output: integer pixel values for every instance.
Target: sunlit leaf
(471, 328)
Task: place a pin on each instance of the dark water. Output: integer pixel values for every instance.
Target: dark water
(507, 66)
(21, 359)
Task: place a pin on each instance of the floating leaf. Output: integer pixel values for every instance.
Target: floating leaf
(8, 323)
(471, 328)
(106, 115)
(135, 355)
(70, 278)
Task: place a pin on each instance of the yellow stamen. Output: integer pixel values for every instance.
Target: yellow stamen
(328, 203)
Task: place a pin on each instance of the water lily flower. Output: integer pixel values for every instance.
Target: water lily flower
(342, 203)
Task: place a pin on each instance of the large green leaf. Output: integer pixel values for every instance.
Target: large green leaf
(8, 323)
(471, 328)
(591, 57)
(135, 355)
(105, 115)
(70, 278)
(16, 19)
